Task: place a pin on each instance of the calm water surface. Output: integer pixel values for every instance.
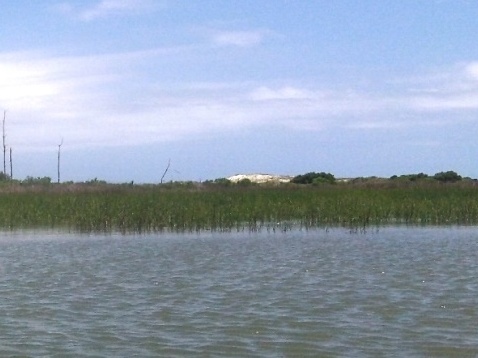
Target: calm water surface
(394, 292)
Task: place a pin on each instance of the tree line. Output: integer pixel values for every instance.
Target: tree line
(322, 177)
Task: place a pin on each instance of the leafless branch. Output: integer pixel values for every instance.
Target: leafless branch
(166, 170)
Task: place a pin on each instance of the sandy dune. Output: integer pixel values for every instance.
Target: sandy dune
(260, 178)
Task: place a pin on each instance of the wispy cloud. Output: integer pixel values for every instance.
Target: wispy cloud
(472, 69)
(239, 38)
(317, 103)
(92, 101)
(22, 83)
(284, 93)
(106, 8)
(455, 88)
(102, 101)
(463, 101)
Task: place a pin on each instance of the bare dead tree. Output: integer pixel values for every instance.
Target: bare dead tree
(11, 164)
(4, 145)
(166, 170)
(59, 153)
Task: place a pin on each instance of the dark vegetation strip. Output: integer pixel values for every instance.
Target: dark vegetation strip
(156, 208)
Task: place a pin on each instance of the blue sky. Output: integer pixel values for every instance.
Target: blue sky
(354, 88)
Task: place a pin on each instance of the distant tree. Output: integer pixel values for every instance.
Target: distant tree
(314, 178)
(447, 177)
(410, 177)
(38, 180)
(418, 176)
(222, 181)
(95, 181)
(320, 180)
(245, 182)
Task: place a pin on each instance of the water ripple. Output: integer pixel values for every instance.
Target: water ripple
(398, 291)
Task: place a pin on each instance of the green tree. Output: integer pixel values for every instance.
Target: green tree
(447, 177)
(410, 177)
(312, 177)
(29, 180)
(245, 182)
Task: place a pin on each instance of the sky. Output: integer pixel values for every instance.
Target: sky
(217, 88)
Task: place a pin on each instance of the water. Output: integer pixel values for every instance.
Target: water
(396, 292)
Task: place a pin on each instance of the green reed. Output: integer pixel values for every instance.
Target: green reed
(159, 208)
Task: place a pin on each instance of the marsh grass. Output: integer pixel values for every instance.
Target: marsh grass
(155, 208)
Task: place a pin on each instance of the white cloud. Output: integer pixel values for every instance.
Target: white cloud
(315, 104)
(463, 101)
(284, 93)
(21, 83)
(376, 124)
(455, 88)
(239, 38)
(103, 101)
(472, 70)
(106, 8)
(92, 101)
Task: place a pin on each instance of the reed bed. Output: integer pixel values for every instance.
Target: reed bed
(158, 208)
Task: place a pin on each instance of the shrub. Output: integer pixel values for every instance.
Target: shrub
(314, 178)
(245, 182)
(222, 181)
(447, 177)
(410, 177)
(38, 180)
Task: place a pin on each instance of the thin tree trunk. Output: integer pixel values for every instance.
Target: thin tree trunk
(4, 145)
(59, 152)
(11, 164)
(167, 168)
